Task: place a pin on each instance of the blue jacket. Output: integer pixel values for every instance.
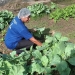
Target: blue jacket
(16, 31)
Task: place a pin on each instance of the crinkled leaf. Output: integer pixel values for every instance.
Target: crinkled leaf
(62, 46)
(12, 54)
(44, 60)
(44, 46)
(62, 66)
(1, 26)
(1, 73)
(56, 60)
(64, 39)
(48, 39)
(1, 20)
(65, 72)
(37, 54)
(35, 67)
(69, 48)
(48, 70)
(57, 35)
(1, 61)
(17, 70)
(7, 64)
(72, 61)
(53, 5)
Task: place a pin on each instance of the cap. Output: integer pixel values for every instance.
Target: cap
(24, 12)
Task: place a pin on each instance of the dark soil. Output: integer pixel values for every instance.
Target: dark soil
(67, 28)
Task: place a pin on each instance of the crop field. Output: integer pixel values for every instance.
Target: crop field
(55, 27)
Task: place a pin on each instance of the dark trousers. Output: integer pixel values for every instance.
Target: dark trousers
(24, 44)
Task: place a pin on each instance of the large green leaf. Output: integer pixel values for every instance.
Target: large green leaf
(62, 46)
(58, 48)
(13, 54)
(57, 35)
(1, 61)
(68, 49)
(17, 70)
(44, 46)
(37, 54)
(2, 26)
(63, 68)
(64, 39)
(1, 20)
(48, 70)
(66, 71)
(49, 39)
(53, 5)
(7, 64)
(56, 60)
(1, 73)
(44, 60)
(72, 61)
(35, 67)
(50, 57)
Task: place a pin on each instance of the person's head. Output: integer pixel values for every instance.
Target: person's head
(24, 14)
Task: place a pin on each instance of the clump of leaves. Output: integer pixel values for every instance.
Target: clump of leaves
(64, 13)
(56, 53)
(3, 32)
(5, 18)
(40, 8)
(53, 5)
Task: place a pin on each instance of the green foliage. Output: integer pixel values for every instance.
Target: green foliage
(3, 32)
(64, 13)
(72, 61)
(38, 32)
(56, 53)
(44, 61)
(37, 9)
(40, 8)
(5, 18)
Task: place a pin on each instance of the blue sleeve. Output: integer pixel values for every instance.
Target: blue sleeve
(26, 34)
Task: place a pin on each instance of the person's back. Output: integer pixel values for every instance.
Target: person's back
(18, 35)
(14, 33)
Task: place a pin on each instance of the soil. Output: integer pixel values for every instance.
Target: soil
(67, 28)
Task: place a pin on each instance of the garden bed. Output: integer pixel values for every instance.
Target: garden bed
(61, 57)
(67, 28)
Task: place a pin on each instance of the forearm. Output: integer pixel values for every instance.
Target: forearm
(37, 42)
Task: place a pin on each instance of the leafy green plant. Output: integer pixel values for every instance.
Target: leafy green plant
(40, 8)
(5, 18)
(55, 54)
(37, 9)
(53, 5)
(64, 13)
(3, 32)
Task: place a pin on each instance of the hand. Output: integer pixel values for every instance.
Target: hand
(37, 42)
(52, 32)
(34, 29)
